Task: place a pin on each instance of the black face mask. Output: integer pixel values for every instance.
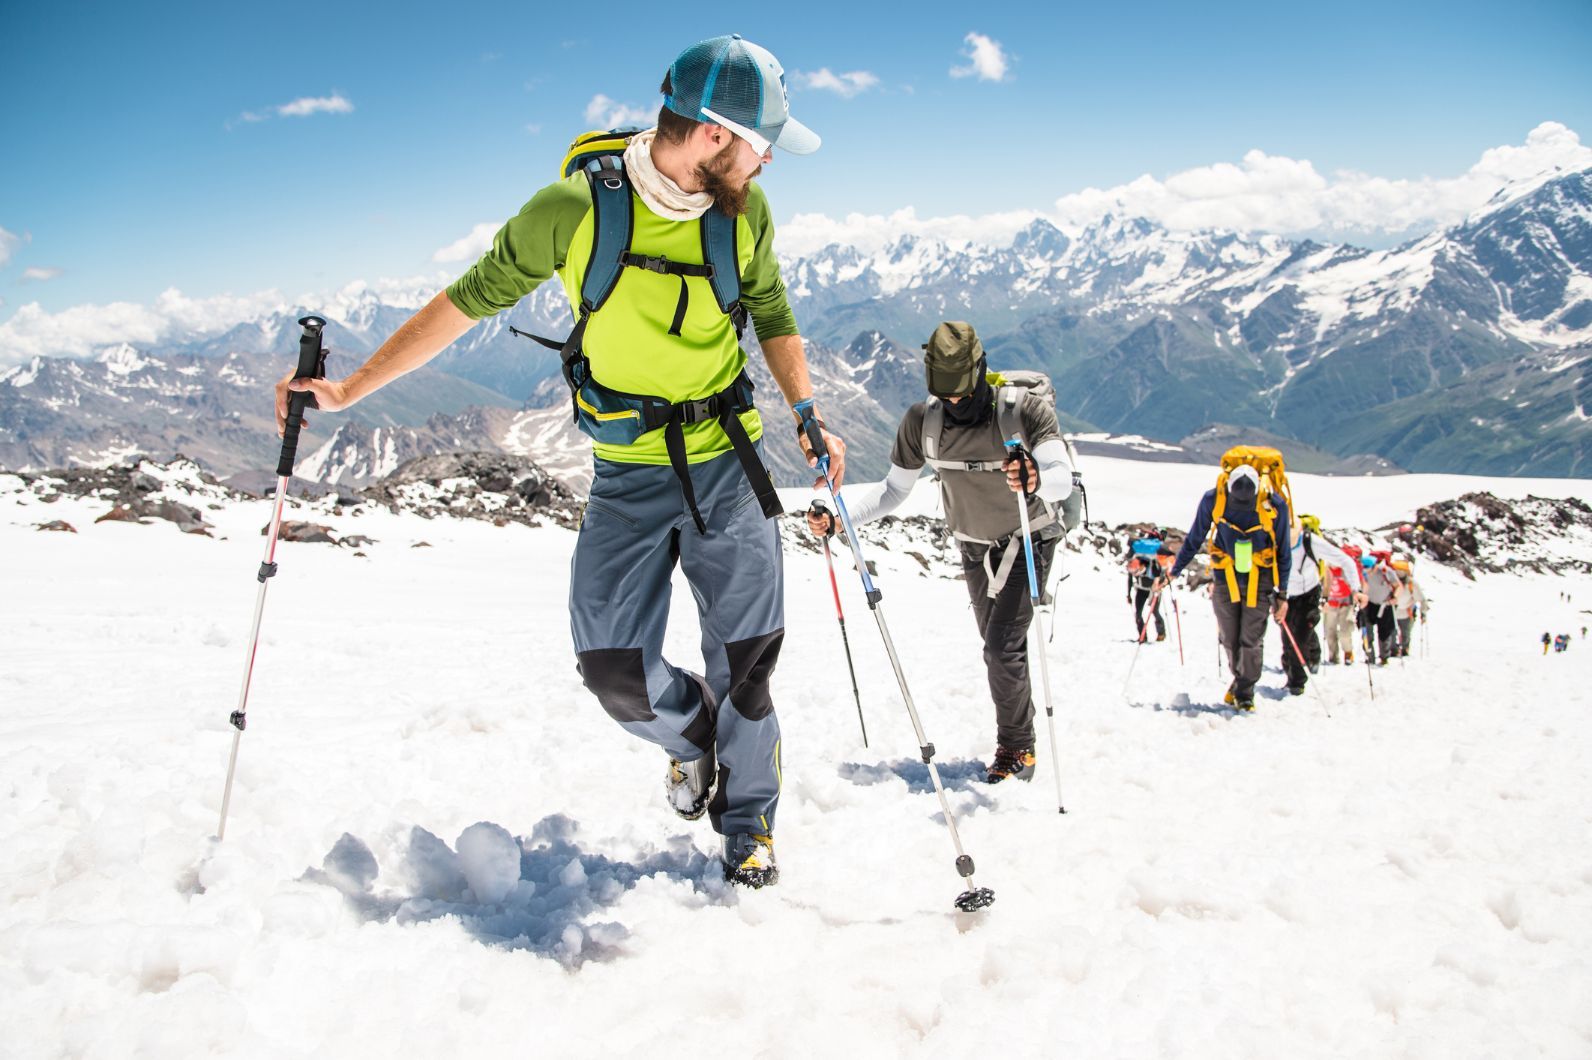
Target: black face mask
(973, 409)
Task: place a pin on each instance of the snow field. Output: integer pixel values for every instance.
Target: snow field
(440, 845)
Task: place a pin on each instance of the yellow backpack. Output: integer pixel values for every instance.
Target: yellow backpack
(1268, 463)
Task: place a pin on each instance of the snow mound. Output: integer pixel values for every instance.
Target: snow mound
(542, 893)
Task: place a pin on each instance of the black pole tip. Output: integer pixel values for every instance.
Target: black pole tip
(312, 321)
(974, 900)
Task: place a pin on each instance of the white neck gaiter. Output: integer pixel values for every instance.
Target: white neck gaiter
(662, 195)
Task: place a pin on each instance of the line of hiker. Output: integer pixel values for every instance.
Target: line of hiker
(1270, 562)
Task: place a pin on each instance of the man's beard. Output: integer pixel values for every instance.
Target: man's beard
(714, 178)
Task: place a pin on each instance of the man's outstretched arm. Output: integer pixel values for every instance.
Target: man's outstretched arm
(417, 340)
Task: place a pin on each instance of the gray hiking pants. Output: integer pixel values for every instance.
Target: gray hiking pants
(1243, 630)
(636, 529)
(1003, 623)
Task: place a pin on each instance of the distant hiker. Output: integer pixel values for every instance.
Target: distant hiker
(1409, 603)
(1310, 555)
(1345, 597)
(1148, 560)
(960, 432)
(1547, 642)
(1561, 642)
(1381, 583)
(1246, 519)
(665, 248)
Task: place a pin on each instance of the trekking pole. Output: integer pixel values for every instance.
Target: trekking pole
(311, 365)
(1015, 448)
(834, 587)
(1177, 619)
(1144, 628)
(1288, 633)
(974, 897)
(1366, 639)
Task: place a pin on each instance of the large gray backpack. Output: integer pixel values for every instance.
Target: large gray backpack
(1010, 386)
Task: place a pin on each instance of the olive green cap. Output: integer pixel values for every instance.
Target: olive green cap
(953, 359)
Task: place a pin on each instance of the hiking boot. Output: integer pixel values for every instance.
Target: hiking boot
(1014, 762)
(1160, 636)
(1382, 661)
(749, 860)
(689, 785)
(1246, 704)
(1230, 698)
(1315, 668)
(1348, 657)
(1296, 690)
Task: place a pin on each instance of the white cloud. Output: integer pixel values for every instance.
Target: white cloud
(9, 241)
(1260, 193)
(605, 113)
(810, 232)
(39, 273)
(302, 107)
(86, 330)
(847, 85)
(1272, 193)
(986, 59)
(469, 247)
(307, 105)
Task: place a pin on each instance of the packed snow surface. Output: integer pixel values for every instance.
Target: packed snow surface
(439, 844)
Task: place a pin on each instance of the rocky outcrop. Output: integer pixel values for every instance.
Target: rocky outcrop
(1483, 533)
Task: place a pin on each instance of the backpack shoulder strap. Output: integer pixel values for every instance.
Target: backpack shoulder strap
(933, 424)
(719, 237)
(611, 223)
(1009, 414)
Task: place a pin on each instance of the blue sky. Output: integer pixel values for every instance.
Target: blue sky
(131, 167)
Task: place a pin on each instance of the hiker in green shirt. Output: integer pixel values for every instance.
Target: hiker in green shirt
(657, 378)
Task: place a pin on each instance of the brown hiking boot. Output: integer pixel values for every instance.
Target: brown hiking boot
(1015, 762)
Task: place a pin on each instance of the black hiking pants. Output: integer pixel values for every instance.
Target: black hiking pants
(1243, 630)
(1304, 614)
(1003, 621)
(1380, 626)
(1140, 598)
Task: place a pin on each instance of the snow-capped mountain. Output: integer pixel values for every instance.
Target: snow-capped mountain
(56, 412)
(1468, 349)
(1160, 333)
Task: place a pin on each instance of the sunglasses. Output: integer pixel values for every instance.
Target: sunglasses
(760, 144)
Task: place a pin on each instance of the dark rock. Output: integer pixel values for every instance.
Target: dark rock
(303, 532)
(495, 487)
(122, 513)
(58, 524)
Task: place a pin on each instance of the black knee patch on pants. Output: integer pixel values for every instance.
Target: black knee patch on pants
(751, 666)
(618, 679)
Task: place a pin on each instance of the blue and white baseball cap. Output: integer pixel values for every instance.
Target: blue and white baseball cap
(733, 83)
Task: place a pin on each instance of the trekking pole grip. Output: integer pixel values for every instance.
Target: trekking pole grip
(811, 426)
(311, 365)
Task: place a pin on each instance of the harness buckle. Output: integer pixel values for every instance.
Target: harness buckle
(698, 411)
(651, 263)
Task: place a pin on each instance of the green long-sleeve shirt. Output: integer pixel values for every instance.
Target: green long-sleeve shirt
(628, 340)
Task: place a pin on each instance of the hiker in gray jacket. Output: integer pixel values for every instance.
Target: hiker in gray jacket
(1381, 583)
(960, 432)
